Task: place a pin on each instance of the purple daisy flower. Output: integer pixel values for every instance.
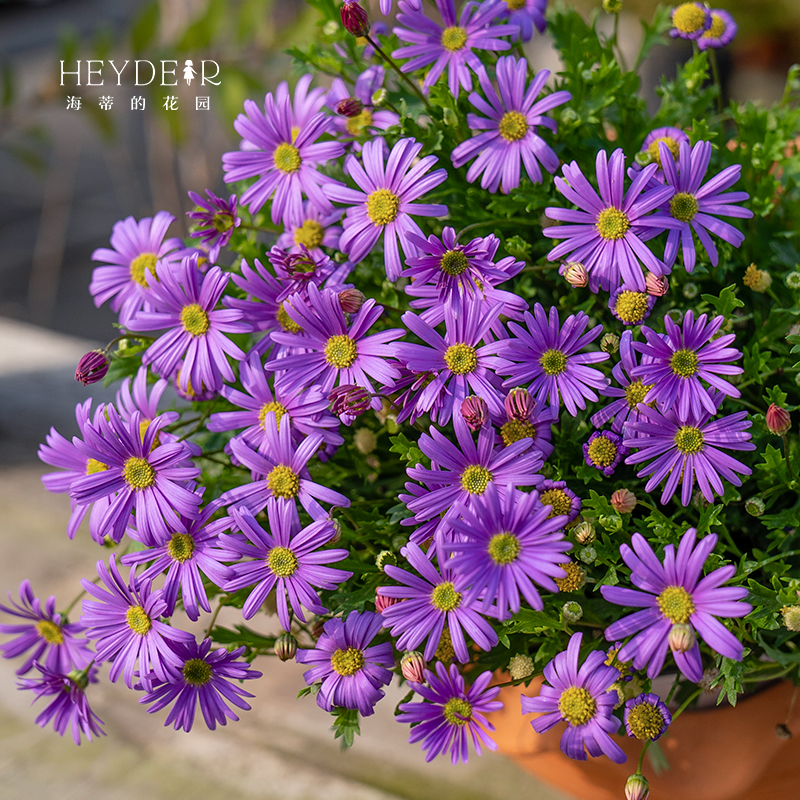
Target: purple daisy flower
(630, 306)
(429, 602)
(691, 20)
(299, 270)
(682, 358)
(683, 449)
(581, 697)
(510, 123)
(312, 231)
(369, 119)
(333, 353)
(183, 557)
(449, 45)
(133, 396)
(304, 105)
(286, 166)
(673, 593)
(721, 31)
(69, 707)
(125, 621)
(604, 450)
(187, 301)
(671, 137)
(210, 679)
(458, 270)
(55, 643)
(696, 207)
(450, 712)
(352, 670)
(505, 547)
(461, 367)
(606, 234)
(561, 499)
(546, 355)
(386, 202)
(287, 559)
(280, 471)
(145, 477)
(525, 14)
(215, 218)
(138, 247)
(646, 717)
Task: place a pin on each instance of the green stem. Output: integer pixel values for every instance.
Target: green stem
(789, 464)
(258, 228)
(712, 58)
(213, 619)
(494, 221)
(620, 57)
(641, 757)
(69, 608)
(402, 75)
(690, 699)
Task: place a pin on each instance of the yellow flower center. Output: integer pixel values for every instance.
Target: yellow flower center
(138, 473)
(461, 359)
(341, 352)
(717, 27)
(355, 125)
(453, 39)
(287, 158)
(612, 223)
(444, 650)
(383, 207)
(475, 479)
(347, 662)
(286, 322)
(515, 5)
(282, 562)
(575, 578)
(266, 408)
(141, 265)
(180, 547)
(514, 430)
(457, 711)
(504, 548)
(49, 631)
(645, 721)
(310, 234)
(553, 362)
(577, 706)
(454, 262)
(558, 499)
(672, 143)
(137, 620)
(631, 307)
(93, 466)
(602, 451)
(196, 672)
(684, 363)
(683, 206)
(445, 597)
(623, 667)
(689, 440)
(689, 18)
(194, 320)
(283, 482)
(222, 221)
(636, 392)
(676, 604)
(513, 126)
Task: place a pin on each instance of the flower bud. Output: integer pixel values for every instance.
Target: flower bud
(690, 290)
(286, 647)
(572, 611)
(587, 555)
(754, 506)
(450, 118)
(520, 666)
(637, 787)
(365, 441)
(337, 532)
(584, 533)
(92, 367)
(382, 602)
(349, 399)
(475, 412)
(354, 18)
(643, 158)
(330, 28)
(612, 6)
(681, 638)
(379, 97)
(609, 343)
(385, 557)
(791, 617)
(792, 280)
(519, 404)
(349, 107)
(759, 280)
(412, 665)
(574, 273)
(657, 285)
(624, 501)
(351, 300)
(610, 522)
(778, 420)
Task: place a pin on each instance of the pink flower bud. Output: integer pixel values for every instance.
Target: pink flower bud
(637, 787)
(349, 399)
(92, 368)
(351, 300)
(624, 501)
(475, 412)
(349, 107)
(412, 665)
(519, 404)
(354, 18)
(681, 638)
(286, 647)
(657, 285)
(382, 602)
(778, 420)
(575, 274)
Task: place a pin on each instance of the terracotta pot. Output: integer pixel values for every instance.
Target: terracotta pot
(720, 753)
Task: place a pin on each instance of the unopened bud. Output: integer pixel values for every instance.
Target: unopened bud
(623, 501)
(681, 637)
(337, 532)
(637, 787)
(412, 665)
(520, 667)
(791, 617)
(349, 107)
(609, 343)
(80, 677)
(657, 285)
(690, 290)
(379, 97)
(612, 6)
(92, 367)
(611, 522)
(382, 602)
(475, 412)
(587, 554)
(574, 273)
(354, 18)
(778, 420)
(754, 506)
(450, 118)
(365, 441)
(584, 533)
(349, 399)
(572, 611)
(643, 158)
(759, 280)
(351, 300)
(519, 404)
(385, 557)
(286, 647)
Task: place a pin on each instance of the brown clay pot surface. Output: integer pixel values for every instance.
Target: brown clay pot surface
(721, 753)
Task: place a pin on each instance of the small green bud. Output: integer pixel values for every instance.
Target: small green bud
(385, 557)
(584, 533)
(587, 555)
(643, 158)
(286, 647)
(569, 116)
(330, 28)
(637, 787)
(572, 611)
(612, 6)
(611, 522)
(450, 117)
(379, 97)
(690, 290)
(609, 343)
(754, 506)
(520, 666)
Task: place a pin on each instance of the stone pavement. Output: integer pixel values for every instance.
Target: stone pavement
(281, 749)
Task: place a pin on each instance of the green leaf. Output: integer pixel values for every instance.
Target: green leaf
(529, 621)
(242, 636)
(345, 726)
(144, 29)
(731, 674)
(774, 394)
(406, 449)
(726, 302)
